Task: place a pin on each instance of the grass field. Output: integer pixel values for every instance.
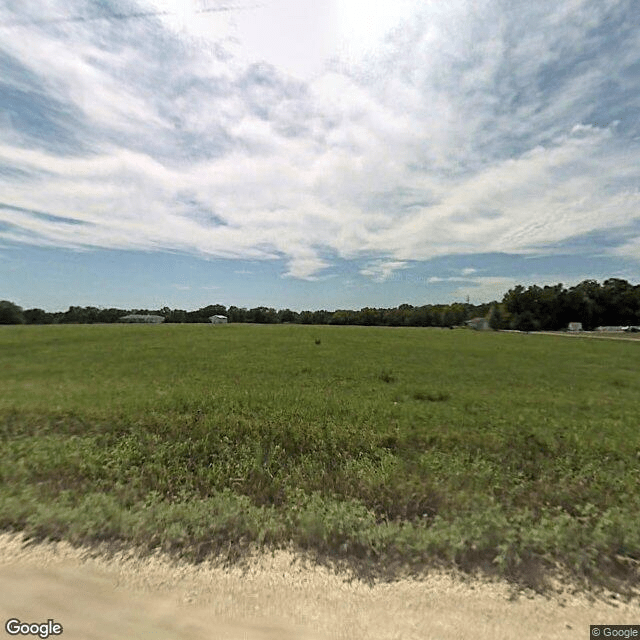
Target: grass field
(377, 445)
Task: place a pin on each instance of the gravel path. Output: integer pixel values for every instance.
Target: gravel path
(278, 598)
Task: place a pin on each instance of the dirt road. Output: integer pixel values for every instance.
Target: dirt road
(588, 334)
(129, 598)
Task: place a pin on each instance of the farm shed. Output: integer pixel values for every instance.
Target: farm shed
(479, 324)
(218, 319)
(146, 318)
(575, 326)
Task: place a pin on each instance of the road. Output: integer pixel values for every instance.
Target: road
(279, 598)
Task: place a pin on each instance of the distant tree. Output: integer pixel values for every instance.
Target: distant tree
(321, 317)
(235, 314)
(526, 321)
(37, 316)
(585, 303)
(392, 317)
(80, 315)
(452, 314)
(176, 316)
(423, 317)
(496, 319)
(286, 315)
(203, 314)
(341, 316)
(91, 315)
(110, 315)
(368, 316)
(262, 315)
(552, 308)
(458, 313)
(620, 303)
(10, 313)
(514, 301)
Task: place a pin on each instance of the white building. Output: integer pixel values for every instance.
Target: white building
(479, 324)
(218, 319)
(575, 326)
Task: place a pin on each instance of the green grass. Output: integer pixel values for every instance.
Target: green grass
(378, 445)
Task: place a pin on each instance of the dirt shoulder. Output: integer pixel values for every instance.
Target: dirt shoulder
(278, 597)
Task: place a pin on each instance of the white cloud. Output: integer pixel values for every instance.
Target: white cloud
(629, 249)
(382, 270)
(436, 279)
(73, 75)
(485, 289)
(452, 137)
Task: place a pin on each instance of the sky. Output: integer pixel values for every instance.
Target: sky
(315, 154)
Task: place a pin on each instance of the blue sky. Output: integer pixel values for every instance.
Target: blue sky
(305, 154)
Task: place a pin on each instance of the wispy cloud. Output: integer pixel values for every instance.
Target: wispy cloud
(478, 127)
(382, 270)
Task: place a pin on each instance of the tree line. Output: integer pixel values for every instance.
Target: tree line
(615, 302)
(404, 315)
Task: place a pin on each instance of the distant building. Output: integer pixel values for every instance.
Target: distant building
(575, 326)
(218, 319)
(142, 318)
(479, 324)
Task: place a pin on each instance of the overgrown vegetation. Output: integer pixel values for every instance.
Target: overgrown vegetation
(387, 446)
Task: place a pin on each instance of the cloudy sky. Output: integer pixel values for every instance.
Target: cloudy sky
(315, 153)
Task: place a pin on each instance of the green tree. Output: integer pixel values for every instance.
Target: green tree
(369, 317)
(496, 318)
(286, 315)
(37, 316)
(110, 315)
(321, 317)
(10, 313)
(176, 316)
(342, 316)
(526, 321)
(237, 314)
(585, 303)
(203, 314)
(620, 307)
